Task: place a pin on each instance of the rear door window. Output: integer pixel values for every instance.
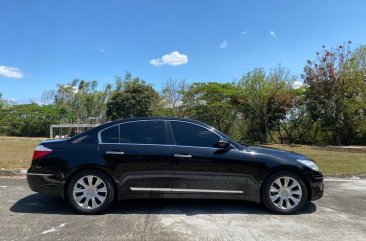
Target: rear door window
(110, 135)
(143, 132)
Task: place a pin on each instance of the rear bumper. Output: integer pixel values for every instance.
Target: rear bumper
(45, 183)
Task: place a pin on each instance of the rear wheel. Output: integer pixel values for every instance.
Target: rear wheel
(90, 192)
(284, 193)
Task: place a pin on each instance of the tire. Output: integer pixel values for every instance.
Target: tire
(281, 197)
(90, 199)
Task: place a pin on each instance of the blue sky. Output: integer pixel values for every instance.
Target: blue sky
(44, 43)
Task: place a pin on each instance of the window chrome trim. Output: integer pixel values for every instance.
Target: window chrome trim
(139, 144)
(153, 189)
(205, 127)
(99, 133)
(100, 138)
(168, 145)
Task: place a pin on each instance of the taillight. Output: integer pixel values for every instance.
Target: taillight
(41, 151)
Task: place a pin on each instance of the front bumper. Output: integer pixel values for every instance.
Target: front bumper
(316, 185)
(45, 183)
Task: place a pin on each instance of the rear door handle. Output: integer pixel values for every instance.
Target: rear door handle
(182, 156)
(115, 152)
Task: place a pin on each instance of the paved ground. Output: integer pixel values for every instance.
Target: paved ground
(340, 215)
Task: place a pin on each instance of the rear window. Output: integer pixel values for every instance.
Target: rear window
(110, 135)
(85, 139)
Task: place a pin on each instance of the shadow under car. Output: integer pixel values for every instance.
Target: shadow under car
(48, 204)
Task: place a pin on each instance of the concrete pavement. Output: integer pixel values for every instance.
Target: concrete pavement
(339, 215)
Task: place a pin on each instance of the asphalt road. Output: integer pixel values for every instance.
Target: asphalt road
(339, 215)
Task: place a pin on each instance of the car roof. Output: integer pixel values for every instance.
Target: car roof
(120, 121)
(152, 118)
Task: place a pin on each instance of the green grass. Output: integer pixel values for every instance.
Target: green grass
(332, 162)
(16, 153)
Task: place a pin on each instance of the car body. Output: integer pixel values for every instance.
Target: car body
(169, 158)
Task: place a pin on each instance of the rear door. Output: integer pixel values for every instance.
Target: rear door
(200, 166)
(141, 157)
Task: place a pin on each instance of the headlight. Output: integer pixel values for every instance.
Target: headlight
(309, 164)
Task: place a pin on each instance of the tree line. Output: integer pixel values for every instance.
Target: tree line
(329, 107)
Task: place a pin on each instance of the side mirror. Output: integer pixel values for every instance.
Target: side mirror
(222, 143)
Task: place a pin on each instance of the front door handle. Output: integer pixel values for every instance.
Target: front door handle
(182, 156)
(115, 152)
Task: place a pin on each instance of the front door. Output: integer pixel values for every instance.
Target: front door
(203, 168)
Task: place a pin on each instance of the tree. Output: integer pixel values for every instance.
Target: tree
(354, 71)
(172, 97)
(80, 100)
(134, 98)
(264, 100)
(28, 120)
(4, 103)
(211, 103)
(336, 94)
(297, 122)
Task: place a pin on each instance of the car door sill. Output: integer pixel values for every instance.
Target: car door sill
(153, 189)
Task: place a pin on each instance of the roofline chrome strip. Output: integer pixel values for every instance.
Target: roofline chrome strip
(139, 144)
(100, 139)
(153, 189)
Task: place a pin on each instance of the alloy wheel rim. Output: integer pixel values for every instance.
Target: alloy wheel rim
(285, 193)
(90, 192)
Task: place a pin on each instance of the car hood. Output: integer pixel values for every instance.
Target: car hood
(275, 152)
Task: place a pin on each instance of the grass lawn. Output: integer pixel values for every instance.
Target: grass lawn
(332, 162)
(16, 153)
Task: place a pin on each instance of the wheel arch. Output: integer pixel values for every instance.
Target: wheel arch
(85, 168)
(289, 169)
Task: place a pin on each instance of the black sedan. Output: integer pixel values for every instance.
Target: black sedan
(170, 158)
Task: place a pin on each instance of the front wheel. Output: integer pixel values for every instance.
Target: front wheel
(284, 193)
(90, 192)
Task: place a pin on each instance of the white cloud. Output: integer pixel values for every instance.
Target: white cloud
(174, 58)
(10, 72)
(297, 84)
(245, 32)
(273, 34)
(101, 50)
(74, 89)
(224, 44)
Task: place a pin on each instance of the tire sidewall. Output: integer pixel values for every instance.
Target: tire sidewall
(266, 200)
(110, 192)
